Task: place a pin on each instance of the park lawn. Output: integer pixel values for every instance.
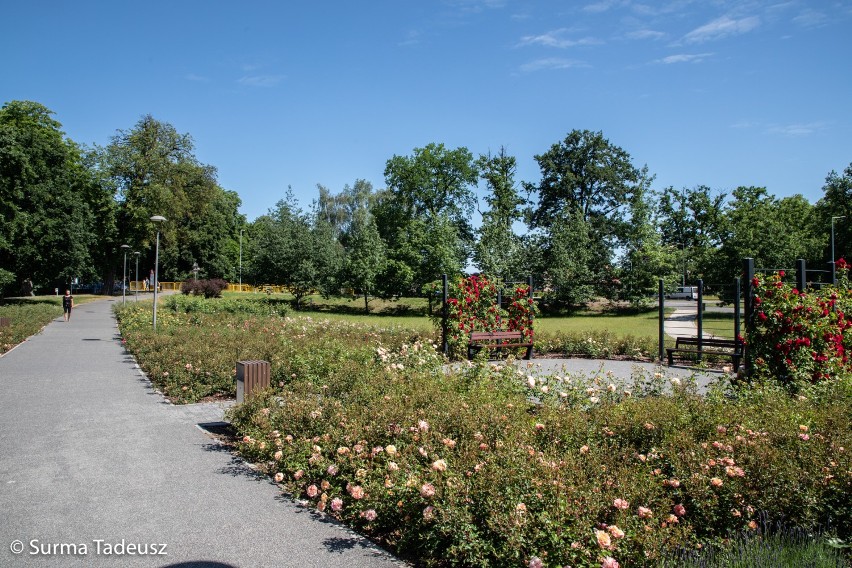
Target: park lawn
(411, 313)
(644, 324)
(720, 324)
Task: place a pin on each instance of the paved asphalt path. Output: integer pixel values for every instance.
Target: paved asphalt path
(91, 456)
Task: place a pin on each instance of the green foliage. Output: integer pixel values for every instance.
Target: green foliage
(485, 465)
(750, 217)
(207, 288)
(424, 216)
(596, 344)
(153, 170)
(573, 266)
(799, 337)
(461, 468)
(48, 199)
(691, 223)
(365, 255)
(291, 249)
(837, 202)
(769, 546)
(472, 306)
(499, 251)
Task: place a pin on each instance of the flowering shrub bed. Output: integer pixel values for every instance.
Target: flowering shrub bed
(597, 345)
(472, 306)
(194, 353)
(801, 337)
(488, 467)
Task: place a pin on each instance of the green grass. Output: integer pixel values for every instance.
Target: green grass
(784, 548)
(411, 313)
(644, 324)
(721, 324)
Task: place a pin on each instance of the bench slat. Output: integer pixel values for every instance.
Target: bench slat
(478, 337)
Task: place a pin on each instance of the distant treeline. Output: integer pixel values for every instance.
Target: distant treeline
(593, 225)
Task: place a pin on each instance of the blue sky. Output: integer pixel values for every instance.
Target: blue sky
(277, 94)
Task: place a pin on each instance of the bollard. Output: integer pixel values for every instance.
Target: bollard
(251, 376)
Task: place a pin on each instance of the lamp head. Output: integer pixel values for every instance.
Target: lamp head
(158, 218)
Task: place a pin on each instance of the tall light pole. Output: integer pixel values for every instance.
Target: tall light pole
(157, 219)
(136, 278)
(124, 277)
(832, 235)
(241, 260)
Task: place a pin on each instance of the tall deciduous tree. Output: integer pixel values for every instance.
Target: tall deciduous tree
(498, 251)
(691, 221)
(155, 172)
(586, 188)
(48, 200)
(429, 197)
(365, 255)
(758, 225)
(292, 248)
(836, 202)
(645, 259)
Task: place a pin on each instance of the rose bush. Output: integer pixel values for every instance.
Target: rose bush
(799, 337)
(472, 306)
(463, 468)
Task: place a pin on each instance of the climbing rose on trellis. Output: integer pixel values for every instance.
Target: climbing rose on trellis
(801, 336)
(472, 306)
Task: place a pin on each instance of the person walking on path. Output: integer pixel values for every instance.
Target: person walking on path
(67, 304)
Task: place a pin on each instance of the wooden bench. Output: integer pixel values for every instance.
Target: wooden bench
(498, 340)
(709, 346)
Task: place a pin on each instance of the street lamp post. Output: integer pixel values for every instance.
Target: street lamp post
(195, 270)
(832, 235)
(124, 276)
(241, 260)
(156, 219)
(136, 277)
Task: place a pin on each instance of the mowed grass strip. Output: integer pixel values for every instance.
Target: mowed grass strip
(411, 313)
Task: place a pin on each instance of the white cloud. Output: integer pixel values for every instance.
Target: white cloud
(476, 6)
(798, 129)
(411, 38)
(556, 39)
(744, 124)
(551, 63)
(598, 7)
(684, 58)
(645, 34)
(811, 19)
(261, 80)
(720, 28)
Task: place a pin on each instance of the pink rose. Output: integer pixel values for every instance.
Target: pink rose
(679, 510)
(336, 504)
(644, 513)
(609, 562)
(621, 504)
